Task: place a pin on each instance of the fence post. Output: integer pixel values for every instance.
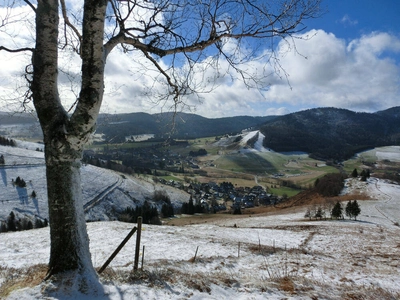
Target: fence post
(118, 249)
(142, 257)
(137, 251)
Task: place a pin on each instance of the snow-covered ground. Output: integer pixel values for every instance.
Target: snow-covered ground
(258, 145)
(116, 192)
(281, 256)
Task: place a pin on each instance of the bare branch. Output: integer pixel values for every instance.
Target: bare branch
(16, 50)
(70, 25)
(30, 5)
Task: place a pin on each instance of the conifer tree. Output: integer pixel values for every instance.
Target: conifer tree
(355, 208)
(337, 211)
(11, 222)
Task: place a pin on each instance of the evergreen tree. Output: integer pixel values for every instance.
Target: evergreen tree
(22, 183)
(39, 223)
(11, 222)
(337, 211)
(33, 195)
(167, 210)
(190, 206)
(349, 210)
(3, 227)
(354, 173)
(237, 210)
(355, 209)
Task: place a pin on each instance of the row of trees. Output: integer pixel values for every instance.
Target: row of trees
(352, 210)
(18, 224)
(200, 152)
(148, 213)
(19, 182)
(365, 173)
(190, 208)
(7, 142)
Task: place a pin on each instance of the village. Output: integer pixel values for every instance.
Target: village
(159, 163)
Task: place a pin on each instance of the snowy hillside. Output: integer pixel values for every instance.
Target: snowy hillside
(103, 190)
(243, 142)
(280, 256)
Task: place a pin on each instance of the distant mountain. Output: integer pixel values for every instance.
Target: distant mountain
(179, 125)
(332, 132)
(16, 118)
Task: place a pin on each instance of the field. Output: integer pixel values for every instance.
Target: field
(268, 256)
(266, 253)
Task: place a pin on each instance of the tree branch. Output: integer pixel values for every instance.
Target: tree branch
(69, 24)
(16, 50)
(30, 4)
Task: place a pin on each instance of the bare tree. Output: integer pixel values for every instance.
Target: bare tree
(176, 37)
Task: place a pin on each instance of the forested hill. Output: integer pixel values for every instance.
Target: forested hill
(180, 125)
(331, 132)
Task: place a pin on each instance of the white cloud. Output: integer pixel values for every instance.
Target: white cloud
(362, 74)
(354, 77)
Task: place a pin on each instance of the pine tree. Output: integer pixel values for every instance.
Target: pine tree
(355, 209)
(337, 211)
(11, 222)
(38, 223)
(190, 206)
(3, 227)
(354, 173)
(348, 209)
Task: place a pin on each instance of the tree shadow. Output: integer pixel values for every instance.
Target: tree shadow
(22, 195)
(3, 176)
(252, 162)
(36, 204)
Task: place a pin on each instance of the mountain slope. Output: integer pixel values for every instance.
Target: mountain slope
(105, 193)
(332, 132)
(180, 125)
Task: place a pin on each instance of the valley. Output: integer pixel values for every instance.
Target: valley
(267, 252)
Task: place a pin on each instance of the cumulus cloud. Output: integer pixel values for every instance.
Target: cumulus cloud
(354, 76)
(316, 69)
(322, 70)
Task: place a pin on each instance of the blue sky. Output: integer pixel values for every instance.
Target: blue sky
(352, 61)
(351, 18)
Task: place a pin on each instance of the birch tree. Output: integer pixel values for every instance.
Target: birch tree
(175, 37)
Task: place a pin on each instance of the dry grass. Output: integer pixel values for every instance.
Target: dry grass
(15, 279)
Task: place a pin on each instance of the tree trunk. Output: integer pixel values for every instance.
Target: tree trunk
(64, 138)
(69, 239)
